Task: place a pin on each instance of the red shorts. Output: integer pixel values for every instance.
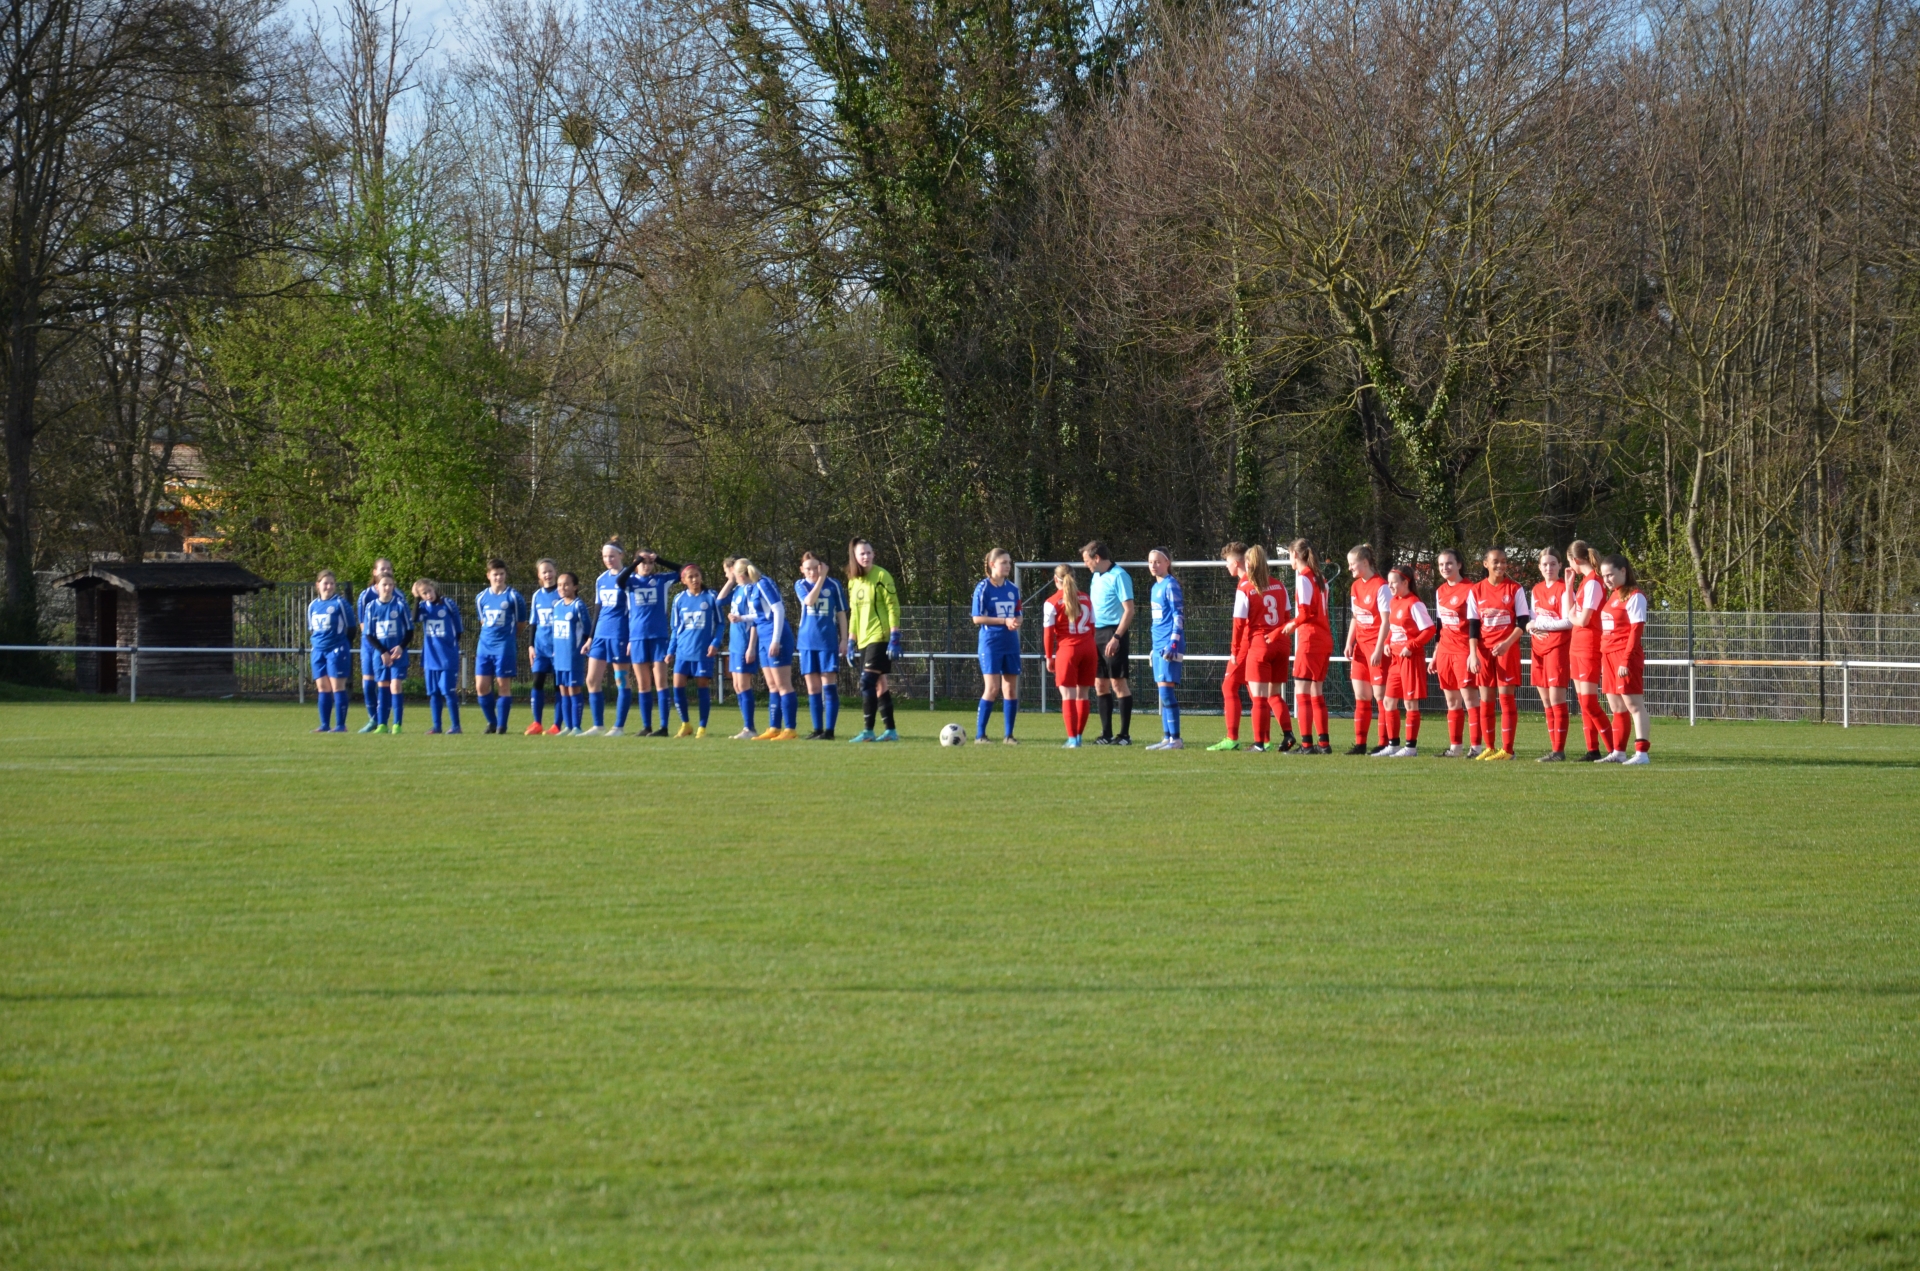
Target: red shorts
(1502, 672)
(1264, 663)
(1550, 668)
(1232, 681)
(1407, 678)
(1584, 664)
(1361, 669)
(1450, 667)
(1623, 671)
(1312, 650)
(1074, 663)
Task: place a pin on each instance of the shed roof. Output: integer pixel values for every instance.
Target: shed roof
(186, 575)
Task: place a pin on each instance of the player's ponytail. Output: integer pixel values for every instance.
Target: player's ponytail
(1302, 555)
(993, 555)
(1257, 567)
(1069, 591)
(1578, 553)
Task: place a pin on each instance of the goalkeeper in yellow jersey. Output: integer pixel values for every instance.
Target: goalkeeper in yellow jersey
(873, 629)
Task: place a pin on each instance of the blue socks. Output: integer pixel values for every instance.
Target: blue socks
(399, 702)
(436, 703)
(599, 708)
(340, 701)
(453, 710)
(706, 704)
(501, 705)
(539, 696)
(745, 702)
(981, 717)
(790, 709)
(622, 706)
(833, 704)
(1009, 707)
(383, 704)
(371, 689)
(817, 711)
(486, 708)
(1169, 711)
(680, 703)
(666, 703)
(326, 710)
(646, 711)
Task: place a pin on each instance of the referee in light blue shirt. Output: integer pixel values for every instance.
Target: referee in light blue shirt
(1112, 596)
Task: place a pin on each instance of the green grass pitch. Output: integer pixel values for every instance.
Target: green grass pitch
(276, 1000)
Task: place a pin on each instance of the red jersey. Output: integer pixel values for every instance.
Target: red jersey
(1310, 601)
(1623, 621)
(1058, 629)
(1550, 625)
(1369, 601)
(1409, 625)
(1590, 594)
(1455, 607)
(1501, 605)
(1263, 609)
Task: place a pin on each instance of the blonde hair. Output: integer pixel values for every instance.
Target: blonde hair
(748, 568)
(1257, 567)
(425, 585)
(1580, 554)
(1069, 591)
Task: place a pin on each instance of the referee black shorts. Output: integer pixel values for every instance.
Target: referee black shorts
(1115, 667)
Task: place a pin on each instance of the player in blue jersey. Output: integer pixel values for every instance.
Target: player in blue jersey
(650, 635)
(495, 655)
(389, 624)
(823, 633)
(437, 618)
(740, 603)
(757, 599)
(608, 646)
(540, 649)
(696, 641)
(1168, 605)
(369, 655)
(330, 637)
(568, 647)
(996, 615)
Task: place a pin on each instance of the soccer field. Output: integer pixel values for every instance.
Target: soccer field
(271, 999)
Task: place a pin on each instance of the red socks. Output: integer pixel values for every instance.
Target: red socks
(1278, 705)
(1557, 727)
(1074, 713)
(1362, 720)
(1622, 729)
(1456, 726)
(1509, 721)
(1593, 720)
(1230, 698)
(1413, 725)
(1262, 722)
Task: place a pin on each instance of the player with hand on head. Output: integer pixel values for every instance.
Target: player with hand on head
(1312, 632)
(1547, 636)
(330, 638)
(1495, 661)
(390, 627)
(369, 652)
(696, 642)
(567, 642)
(502, 612)
(1235, 556)
(1261, 603)
(1067, 638)
(1586, 596)
(608, 647)
(1459, 619)
(1111, 591)
(823, 633)
(649, 635)
(1366, 650)
(996, 615)
(1167, 605)
(873, 627)
(740, 601)
(1410, 629)
(438, 620)
(1623, 624)
(772, 648)
(540, 647)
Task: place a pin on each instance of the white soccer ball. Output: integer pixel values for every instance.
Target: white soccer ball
(952, 735)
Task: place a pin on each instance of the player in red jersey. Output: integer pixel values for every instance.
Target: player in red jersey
(1495, 661)
(1067, 639)
(1312, 634)
(1235, 555)
(1459, 618)
(1547, 636)
(1623, 624)
(1410, 629)
(1585, 596)
(1366, 653)
(1261, 604)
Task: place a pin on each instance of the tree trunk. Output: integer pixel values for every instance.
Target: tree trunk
(21, 619)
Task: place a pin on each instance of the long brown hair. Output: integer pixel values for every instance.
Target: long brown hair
(854, 568)
(1069, 591)
(1578, 553)
(1302, 554)
(1624, 569)
(1257, 567)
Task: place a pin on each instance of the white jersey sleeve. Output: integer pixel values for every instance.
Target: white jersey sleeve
(1522, 604)
(1421, 618)
(1302, 591)
(1637, 607)
(1240, 609)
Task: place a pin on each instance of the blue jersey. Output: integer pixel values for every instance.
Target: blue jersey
(1110, 590)
(440, 628)
(647, 616)
(770, 614)
(819, 631)
(696, 625)
(746, 603)
(388, 623)
(610, 595)
(997, 600)
(567, 631)
(329, 624)
(540, 614)
(367, 597)
(1169, 615)
(501, 613)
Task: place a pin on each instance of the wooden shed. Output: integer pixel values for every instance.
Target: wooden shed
(163, 604)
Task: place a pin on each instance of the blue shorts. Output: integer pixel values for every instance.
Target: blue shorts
(369, 660)
(650, 649)
(607, 649)
(774, 661)
(739, 663)
(819, 661)
(496, 665)
(995, 662)
(442, 683)
(333, 664)
(1165, 672)
(566, 679)
(391, 674)
(694, 668)
(542, 660)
